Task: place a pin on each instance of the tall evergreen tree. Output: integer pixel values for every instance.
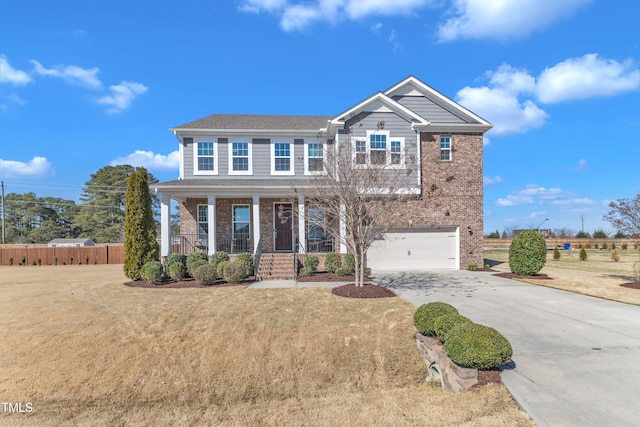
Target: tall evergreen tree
(140, 245)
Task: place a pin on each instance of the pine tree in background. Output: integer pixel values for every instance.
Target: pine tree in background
(140, 244)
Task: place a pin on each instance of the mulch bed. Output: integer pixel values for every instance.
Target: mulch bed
(517, 276)
(187, 283)
(632, 285)
(367, 291)
(488, 376)
(325, 276)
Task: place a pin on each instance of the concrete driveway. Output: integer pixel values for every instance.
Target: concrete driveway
(576, 359)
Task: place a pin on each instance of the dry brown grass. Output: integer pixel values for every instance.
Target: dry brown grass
(598, 276)
(86, 350)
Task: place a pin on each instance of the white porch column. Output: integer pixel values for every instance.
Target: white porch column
(256, 223)
(165, 224)
(211, 224)
(343, 227)
(302, 232)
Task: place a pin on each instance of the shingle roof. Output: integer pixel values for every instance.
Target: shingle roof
(258, 122)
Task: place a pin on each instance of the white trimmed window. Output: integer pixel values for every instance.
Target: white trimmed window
(282, 158)
(445, 148)
(241, 227)
(205, 158)
(313, 158)
(379, 149)
(240, 157)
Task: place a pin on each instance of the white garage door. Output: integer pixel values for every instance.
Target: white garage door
(415, 250)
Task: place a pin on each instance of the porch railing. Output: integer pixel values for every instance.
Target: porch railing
(228, 242)
(320, 246)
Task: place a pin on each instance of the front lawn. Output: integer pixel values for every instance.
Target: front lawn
(84, 349)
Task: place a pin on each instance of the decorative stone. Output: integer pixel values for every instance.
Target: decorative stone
(453, 378)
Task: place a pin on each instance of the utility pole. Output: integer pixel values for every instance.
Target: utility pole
(2, 206)
(582, 219)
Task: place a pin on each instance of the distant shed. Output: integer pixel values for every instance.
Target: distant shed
(70, 243)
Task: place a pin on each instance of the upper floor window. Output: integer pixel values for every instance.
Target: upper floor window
(205, 158)
(282, 158)
(314, 158)
(445, 148)
(379, 148)
(240, 158)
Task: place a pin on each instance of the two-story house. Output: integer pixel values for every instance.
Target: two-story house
(241, 174)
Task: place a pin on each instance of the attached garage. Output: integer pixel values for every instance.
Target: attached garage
(416, 249)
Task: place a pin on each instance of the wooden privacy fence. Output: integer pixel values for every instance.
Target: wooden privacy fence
(29, 255)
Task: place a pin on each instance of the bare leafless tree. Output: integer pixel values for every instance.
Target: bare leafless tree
(360, 194)
(624, 216)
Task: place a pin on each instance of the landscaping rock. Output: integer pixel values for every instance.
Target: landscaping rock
(454, 378)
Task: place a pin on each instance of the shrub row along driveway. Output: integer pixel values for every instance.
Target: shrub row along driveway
(575, 357)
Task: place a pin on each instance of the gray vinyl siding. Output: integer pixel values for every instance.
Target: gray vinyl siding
(261, 158)
(431, 110)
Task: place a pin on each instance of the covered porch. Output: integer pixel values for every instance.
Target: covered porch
(228, 219)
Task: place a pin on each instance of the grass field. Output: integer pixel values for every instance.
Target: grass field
(83, 349)
(597, 276)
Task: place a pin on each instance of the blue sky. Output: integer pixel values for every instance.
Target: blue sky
(89, 84)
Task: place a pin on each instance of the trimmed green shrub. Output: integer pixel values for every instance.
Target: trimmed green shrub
(624, 246)
(343, 271)
(473, 267)
(604, 245)
(206, 274)
(305, 271)
(177, 270)
(11, 260)
(152, 272)
(220, 267)
(527, 253)
(332, 262)
(218, 257)
(171, 258)
(583, 254)
(246, 259)
(613, 246)
(311, 262)
(443, 324)
(234, 272)
(350, 263)
(425, 316)
(39, 262)
(477, 346)
(556, 253)
(194, 261)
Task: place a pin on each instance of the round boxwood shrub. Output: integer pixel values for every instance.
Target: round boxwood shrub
(425, 316)
(220, 267)
(152, 272)
(218, 257)
(343, 271)
(206, 274)
(305, 271)
(246, 259)
(527, 253)
(311, 262)
(443, 324)
(477, 346)
(171, 258)
(332, 262)
(177, 270)
(195, 260)
(350, 263)
(234, 272)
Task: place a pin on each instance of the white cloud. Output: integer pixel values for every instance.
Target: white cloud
(581, 166)
(71, 74)
(536, 194)
(588, 76)
(10, 75)
(301, 14)
(510, 98)
(122, 96)
(488, 180)
(503, 109)
(503, 19)
(150, 160)
(35, 168)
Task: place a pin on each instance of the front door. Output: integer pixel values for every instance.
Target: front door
(283, 220)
